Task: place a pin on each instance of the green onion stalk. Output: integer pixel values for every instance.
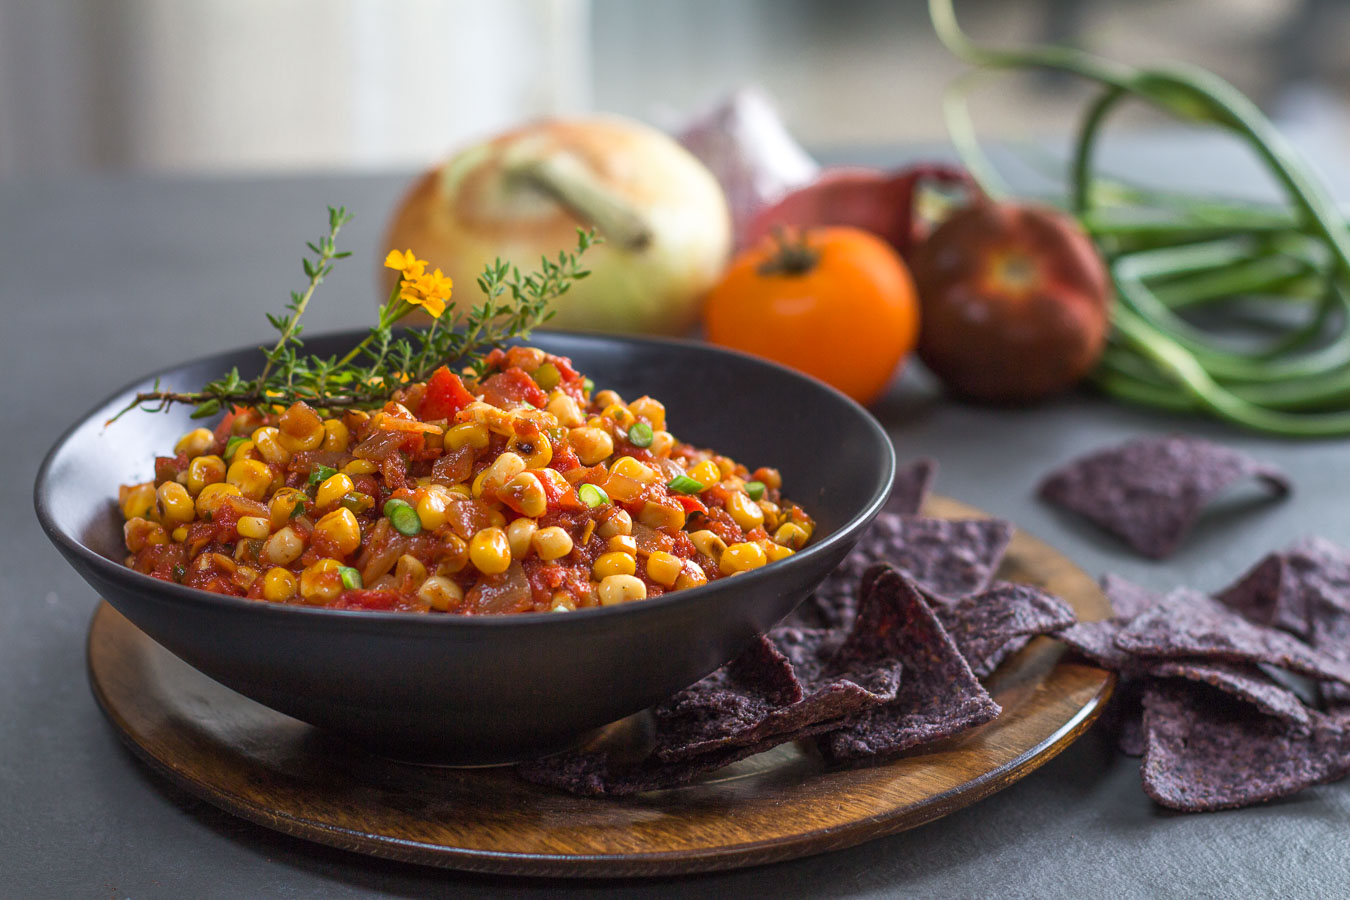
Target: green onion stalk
(1187, 269)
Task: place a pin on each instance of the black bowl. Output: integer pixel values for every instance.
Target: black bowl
(491, 689)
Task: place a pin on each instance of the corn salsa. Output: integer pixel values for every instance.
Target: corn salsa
(520, 490)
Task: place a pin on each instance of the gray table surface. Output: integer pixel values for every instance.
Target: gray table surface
(102, 280)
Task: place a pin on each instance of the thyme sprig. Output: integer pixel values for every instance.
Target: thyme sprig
(513, 306)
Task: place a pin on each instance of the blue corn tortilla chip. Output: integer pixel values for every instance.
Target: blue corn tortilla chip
(1242, 682)
(1127, 598)
(835, 602)
(835, 681)
(1204, 752)
(732, 701)
(1187, 623)
(1278, 590)
(939, 695)
(911, 486)
(1149, 492)
(946, 558)
(989, 626)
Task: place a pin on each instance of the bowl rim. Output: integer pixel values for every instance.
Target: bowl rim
(383, 619)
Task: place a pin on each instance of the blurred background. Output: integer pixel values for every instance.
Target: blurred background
(226, 86)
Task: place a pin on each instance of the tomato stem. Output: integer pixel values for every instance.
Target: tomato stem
(793, 257)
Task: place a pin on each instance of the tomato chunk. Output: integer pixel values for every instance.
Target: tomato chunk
(445, 396)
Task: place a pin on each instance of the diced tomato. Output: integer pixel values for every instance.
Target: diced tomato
(362, 598)
(513, 386)
(559, 493)
(564, 458)
(445, 396)
(690, 504)
(564, 367)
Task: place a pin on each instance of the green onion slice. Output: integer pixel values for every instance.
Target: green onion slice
(232, 445)
(321, 473)
(406, 521)
(755, 489)
(683, 484)
(588, 385)
(640, 435)
(298, 509)
(351, 578)
(592, 495)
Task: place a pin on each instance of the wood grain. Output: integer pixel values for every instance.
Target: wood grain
(285, 775)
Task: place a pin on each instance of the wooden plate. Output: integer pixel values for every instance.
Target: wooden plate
(283, 774)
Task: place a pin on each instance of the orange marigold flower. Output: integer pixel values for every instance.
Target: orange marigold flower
(406, 262)
(431, 291)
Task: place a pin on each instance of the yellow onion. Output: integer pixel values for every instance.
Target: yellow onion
(523, 194)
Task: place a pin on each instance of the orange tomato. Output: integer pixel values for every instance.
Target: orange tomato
(833, 302)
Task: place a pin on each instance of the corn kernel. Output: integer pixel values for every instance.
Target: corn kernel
(654, 411)
(664, 568)
(607, 398)
(195, 442)
(268, 441)
(209, 500)
(251, 476)
(607, 564)
(138, 500)
(741, 558)
(662, 515)
(505, 467)
(525, 495)
(790, 534)
(709, 544)
(283, 547)
(565, 410)
(180, 533)
(706, 473)
(341, 530)
(454, 555)
(360, 467)
(409, 571)
(278, 585)
(175, 506)
(662, 443)
(204, 470)
(592, 445)
(431, 509)
(631, 468)
(619, 415)
(520, 535)
(551, 543)
(332, 490)
(440, 593)
(141, 533)
(254, 527)
(468, 434)
(774, 552)
(536, 451)
(282, 505)
(616, 589)
(336, 436)
(692, 575)
(490, 551)
(616, 521)
(745, 511)
(622, 543)
(301, 428)
(321, 582)
(244, 450)
(562, 602)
